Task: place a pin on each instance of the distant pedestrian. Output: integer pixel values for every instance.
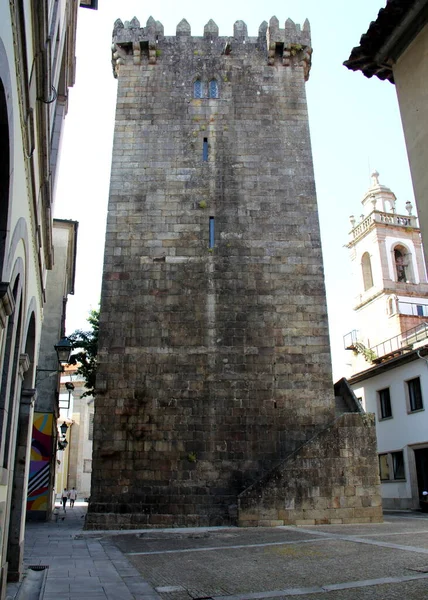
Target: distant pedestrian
(64, 498)
(72, 494)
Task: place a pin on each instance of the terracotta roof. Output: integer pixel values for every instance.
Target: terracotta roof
(395, 27)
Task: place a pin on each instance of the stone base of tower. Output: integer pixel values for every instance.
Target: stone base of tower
(332, 479)
(135, 520)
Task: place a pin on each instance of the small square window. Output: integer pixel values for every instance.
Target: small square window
(391, 466)
(415, 394)
(384, 398)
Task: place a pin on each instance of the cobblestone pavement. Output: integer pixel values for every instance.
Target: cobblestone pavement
(385, 561)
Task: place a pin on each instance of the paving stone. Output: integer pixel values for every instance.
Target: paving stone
(74, 578)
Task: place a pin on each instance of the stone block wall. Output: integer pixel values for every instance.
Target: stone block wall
(214, 356)
(333, 478)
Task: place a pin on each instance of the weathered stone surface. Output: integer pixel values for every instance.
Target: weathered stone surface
(214, 362)
(240, 31)
(211, 29)
(183, 28)
(332, 478)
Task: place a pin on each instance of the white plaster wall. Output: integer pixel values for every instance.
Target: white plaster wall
(403, 429)
(411, 82)
(19, 192)
(374, 323)
(80, 447)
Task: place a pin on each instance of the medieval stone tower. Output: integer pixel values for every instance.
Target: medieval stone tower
(214, 362)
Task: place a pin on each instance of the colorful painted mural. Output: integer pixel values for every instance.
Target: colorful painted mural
(41, 455)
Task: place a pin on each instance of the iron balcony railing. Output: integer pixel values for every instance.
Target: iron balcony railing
(402, 341)
(397, 344)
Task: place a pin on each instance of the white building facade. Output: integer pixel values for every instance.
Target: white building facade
(37, 66)
(397, 392)
(390, 346)
(75, 461)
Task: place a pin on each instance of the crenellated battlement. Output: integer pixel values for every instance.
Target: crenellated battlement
(290, 46)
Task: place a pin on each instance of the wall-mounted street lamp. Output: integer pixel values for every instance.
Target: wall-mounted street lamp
(62, 444)
(69, 386)
(63, 351)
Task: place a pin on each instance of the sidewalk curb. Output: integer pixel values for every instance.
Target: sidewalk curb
(79, 566)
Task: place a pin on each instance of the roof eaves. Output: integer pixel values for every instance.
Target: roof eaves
(395, 27)
(389, 364)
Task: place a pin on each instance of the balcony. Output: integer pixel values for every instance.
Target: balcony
(401, 343)
(383, 218)
(395, 346)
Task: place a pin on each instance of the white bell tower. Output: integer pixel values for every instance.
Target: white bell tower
(389, 274)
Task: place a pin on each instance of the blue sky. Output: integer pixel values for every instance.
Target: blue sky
(355, 128)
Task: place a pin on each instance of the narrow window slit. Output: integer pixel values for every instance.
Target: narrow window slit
(211, 233)
(205, 150)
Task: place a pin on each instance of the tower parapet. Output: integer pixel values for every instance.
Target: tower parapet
(289, 47)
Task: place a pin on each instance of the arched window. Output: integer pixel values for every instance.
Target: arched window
(403, 267)
(197, 89)
(367, 271)
(213, 89)
(390, 306)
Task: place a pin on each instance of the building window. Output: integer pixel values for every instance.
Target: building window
(87, 465)
(397, 465)
(415, 394)
(91, 427)
(384, 404)
(213, 89)
(205, 150)
(211, 233)
(391, 466)
(383, 467)
(197, 89)
(367, 271)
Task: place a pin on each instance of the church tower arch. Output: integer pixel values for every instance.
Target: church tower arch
(402, 260)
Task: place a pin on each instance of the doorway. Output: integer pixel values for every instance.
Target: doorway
(421, 460)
